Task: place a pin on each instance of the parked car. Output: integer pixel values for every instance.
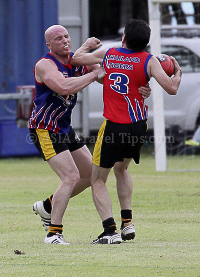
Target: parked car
(182, 110)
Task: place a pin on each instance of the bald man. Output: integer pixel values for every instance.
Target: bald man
(57, 83)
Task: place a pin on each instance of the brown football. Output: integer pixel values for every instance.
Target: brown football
(166, 63)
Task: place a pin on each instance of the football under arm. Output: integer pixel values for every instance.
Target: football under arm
(170, 85)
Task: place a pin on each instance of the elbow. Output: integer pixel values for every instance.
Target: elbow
(172, 90)
(68, 91)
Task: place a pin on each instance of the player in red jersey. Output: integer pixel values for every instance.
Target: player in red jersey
(124, 129)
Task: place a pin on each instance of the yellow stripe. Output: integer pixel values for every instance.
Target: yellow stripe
(126, 219)
(97, 148)
(50, 199)
(45, 143)
(53, 229)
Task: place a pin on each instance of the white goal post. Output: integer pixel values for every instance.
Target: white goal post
(158, 105)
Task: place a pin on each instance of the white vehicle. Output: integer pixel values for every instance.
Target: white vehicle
(184, 108)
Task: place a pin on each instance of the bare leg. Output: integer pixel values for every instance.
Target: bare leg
(65, 167)
(124, 190)
(83, 161)
(100, 194)
(124, 184)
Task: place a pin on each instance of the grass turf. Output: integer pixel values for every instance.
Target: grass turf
(166, 213)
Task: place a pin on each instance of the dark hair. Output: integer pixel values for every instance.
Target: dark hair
(137, 34)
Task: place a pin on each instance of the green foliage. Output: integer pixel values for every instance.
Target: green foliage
(165, 212)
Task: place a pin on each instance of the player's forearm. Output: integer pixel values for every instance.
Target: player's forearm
(176, 80)
(171, 85)
(80, 56)
(73, 85)
(177, 76)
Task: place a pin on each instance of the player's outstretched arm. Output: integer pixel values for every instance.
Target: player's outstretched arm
(169, 84)
(82, 57)
(47, 72)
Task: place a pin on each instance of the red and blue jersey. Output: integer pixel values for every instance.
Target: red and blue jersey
(126, 72)
(51, 110)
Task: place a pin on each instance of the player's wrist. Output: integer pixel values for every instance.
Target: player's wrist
(96, 75)
(179, 71)
(86, 47)
(99, 72)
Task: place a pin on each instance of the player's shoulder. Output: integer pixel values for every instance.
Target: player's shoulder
(144, 54)
(113, 49)
(44, 62)
(153, 59)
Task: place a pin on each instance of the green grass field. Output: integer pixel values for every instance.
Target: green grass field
(166, 213)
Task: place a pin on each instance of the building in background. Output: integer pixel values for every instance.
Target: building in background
(22, 26)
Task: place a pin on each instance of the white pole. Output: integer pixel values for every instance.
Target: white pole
(85, 95)
(157, 94)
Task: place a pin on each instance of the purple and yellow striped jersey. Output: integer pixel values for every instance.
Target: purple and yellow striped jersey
(51, 110)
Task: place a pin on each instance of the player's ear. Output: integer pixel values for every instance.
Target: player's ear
(123, 39)
(48, 45)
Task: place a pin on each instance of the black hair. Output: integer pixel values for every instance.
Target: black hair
(137, 34)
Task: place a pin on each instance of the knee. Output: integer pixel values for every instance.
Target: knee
(99, 175)
(97, 181)
(75, 178)
(72, 179)
(119, 170)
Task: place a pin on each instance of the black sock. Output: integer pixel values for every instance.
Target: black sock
(126, 216)
(109, 225)
(47, 204)
(53, 229)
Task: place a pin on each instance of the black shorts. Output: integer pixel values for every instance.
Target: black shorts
(117, 141)
(50, 144)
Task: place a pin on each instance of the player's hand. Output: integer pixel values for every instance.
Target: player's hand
(145, 91)
(100, 73)
(92, 43)
(176, 65)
